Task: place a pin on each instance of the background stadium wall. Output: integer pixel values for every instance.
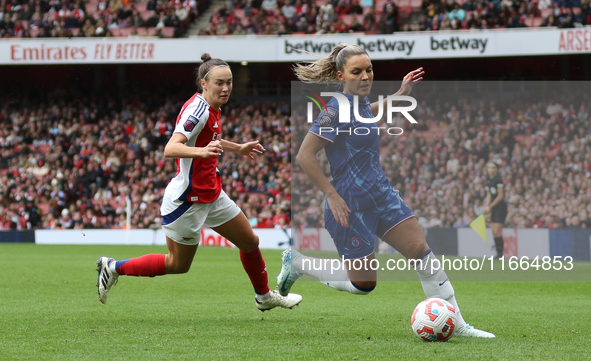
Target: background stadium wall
(268, 238)
(444, 241)
(17, 236)
(519, 242)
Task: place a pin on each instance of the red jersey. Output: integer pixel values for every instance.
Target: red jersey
(197, 179)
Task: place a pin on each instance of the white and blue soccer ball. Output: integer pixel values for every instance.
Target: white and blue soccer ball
(434, 319)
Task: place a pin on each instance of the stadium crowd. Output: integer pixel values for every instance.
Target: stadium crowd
(474, 14)
(57, 18)
(277, 17)
(441, 172)
(96, 18)
(72, 161)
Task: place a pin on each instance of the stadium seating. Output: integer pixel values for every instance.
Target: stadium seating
(440, 171)
(409, 11)
(409, 170)
(93, 13)
(65, 192)
(407, 19)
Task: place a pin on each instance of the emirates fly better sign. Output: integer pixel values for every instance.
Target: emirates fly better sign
(423, 45)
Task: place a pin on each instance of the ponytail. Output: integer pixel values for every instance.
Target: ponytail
(324, 70)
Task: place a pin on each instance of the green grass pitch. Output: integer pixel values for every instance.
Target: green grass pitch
(49, 310)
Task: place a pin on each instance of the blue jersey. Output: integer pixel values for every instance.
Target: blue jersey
(354, 155)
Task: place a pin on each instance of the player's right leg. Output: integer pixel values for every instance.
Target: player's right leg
(408, 238)
(497, 231)
(497, 219)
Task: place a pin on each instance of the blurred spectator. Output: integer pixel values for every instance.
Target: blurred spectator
(542, 145)
(67, 19)
(76, 168)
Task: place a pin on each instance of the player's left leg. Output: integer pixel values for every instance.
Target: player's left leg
(178, 260)
(408, 238)
(226, 219)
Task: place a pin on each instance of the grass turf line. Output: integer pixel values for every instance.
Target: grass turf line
(49, 310)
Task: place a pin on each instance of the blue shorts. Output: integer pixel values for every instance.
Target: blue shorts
(358, 240)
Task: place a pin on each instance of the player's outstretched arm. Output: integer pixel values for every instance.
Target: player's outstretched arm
(408, 81)
(244, 149)
(176, 148)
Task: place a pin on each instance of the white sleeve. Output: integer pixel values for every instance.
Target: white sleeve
(193, 119)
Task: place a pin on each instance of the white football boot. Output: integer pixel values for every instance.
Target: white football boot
(469, 331)
(276, 300)
(106, 277)
(288, 274)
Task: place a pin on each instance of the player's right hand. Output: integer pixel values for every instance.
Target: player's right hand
(214, 148)
(339, 209)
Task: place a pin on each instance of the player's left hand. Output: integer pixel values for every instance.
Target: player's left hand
(410, 80)
(250, 148)
(487, 209)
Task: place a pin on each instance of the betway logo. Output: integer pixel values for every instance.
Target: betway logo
(380, 45)
(457, 43)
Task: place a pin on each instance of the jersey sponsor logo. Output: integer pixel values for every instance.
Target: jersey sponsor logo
(217, 136)
(190, 123)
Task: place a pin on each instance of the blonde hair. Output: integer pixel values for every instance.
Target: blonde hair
(324, 70)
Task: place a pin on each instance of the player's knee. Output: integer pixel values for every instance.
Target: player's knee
(250, 244)
(183, 268)
(418, 250)
(174, 266)
(362, 287)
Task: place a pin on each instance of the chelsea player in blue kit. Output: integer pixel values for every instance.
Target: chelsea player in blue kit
(360, 202)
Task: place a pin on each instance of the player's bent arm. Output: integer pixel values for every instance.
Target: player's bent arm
(176, 148)
(408, 82)
(375, 106)
(230, 146)
(306, 158)
(499, 198)
(248, 148)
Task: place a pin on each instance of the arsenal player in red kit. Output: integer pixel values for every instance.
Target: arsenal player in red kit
(194, 198)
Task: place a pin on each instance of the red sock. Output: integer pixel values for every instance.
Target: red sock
(149, 265)
(254, 265)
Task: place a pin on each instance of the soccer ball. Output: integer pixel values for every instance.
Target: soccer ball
(434, 319)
